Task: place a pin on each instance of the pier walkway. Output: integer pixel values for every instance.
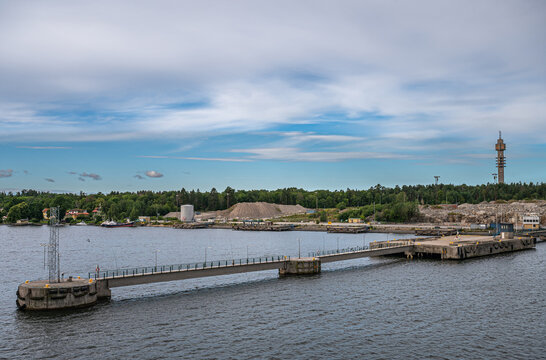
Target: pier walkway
(70, 293)
(151, 274)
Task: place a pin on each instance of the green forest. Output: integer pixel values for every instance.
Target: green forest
(392, 204)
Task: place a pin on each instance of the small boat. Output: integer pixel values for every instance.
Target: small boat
(111, 224)
(81, 223)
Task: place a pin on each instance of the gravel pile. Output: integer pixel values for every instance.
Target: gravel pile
(260, 210)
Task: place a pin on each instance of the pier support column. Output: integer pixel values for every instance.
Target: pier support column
(103, 291)
(300, 266)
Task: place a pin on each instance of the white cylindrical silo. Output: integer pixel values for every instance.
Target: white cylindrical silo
(186, 213)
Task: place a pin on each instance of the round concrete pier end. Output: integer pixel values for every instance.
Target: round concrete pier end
(67, 294)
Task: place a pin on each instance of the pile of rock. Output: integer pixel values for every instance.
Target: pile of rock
(483, 213)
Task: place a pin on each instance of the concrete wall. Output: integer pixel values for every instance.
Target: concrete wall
(303, 266)
(494, 247)
(54, 298)
(466, 251)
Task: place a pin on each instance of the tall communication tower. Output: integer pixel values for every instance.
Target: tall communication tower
(500, 146)
(53, 258)
(436, 177)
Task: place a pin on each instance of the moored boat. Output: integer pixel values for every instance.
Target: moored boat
(111, 224)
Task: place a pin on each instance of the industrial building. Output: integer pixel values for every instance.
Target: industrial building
(531, 222)
(186, 213)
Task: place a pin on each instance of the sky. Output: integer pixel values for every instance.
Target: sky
(160, 95)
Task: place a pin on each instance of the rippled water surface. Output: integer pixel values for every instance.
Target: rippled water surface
(368, 308)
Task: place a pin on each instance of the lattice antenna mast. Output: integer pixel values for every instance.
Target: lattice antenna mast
(500, 147)
(53, 258)
(436, 177)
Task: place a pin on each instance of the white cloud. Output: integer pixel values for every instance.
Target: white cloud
(194, 158)
(90, 175)
(310, 136)
(422, 69)
(6, 173)
(296, 154)
(85, 174)
(153, 174)
(45, 147)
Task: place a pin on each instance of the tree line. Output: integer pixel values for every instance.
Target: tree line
(399, 202)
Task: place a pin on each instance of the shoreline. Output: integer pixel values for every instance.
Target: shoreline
(399, 228)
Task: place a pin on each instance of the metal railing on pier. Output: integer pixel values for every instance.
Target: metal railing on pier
(378, 246)
(337, 251)
(148, 270)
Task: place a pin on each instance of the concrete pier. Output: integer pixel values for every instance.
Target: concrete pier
(300, 266)
(457, 247)
(42, 295)
(73, 293)
(466, 247)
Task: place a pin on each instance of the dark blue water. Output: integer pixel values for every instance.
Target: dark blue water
(369, 308)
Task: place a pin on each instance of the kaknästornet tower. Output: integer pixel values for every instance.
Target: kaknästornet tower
(500, 146)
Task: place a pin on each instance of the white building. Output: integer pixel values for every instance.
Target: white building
(531, 222)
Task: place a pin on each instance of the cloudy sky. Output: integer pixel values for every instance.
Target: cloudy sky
(128, 95)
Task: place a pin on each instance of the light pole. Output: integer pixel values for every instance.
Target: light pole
(156, 251)
(436, 177)
(494, 181)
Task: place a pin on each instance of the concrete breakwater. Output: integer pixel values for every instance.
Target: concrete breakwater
(435, 232)
(347, 229)
(460, 247)
(263, 227)
(73, 293)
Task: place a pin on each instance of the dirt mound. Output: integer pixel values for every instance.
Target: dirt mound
(261, 210)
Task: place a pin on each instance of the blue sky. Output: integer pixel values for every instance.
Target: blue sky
(102, 96)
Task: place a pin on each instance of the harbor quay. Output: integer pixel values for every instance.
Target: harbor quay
(81, 292)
